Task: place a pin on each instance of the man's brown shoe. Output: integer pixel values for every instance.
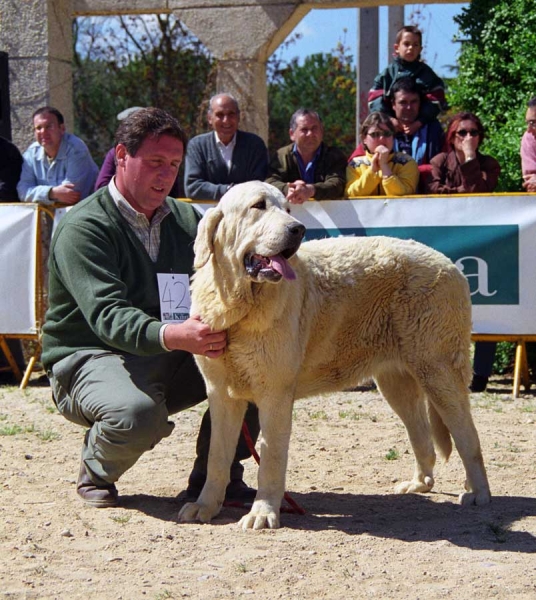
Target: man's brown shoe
(99, 496)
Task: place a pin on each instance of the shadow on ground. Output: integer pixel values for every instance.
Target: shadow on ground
(411, 518)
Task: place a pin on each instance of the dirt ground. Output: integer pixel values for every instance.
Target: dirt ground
(357, 539)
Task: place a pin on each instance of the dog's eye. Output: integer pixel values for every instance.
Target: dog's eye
(288, 211)
(261, 205)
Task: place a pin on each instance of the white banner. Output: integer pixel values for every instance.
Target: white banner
(18, 226)
(491, 239)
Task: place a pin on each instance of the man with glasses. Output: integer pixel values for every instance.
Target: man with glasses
(57, 167)
(528, 148)
(308, 168)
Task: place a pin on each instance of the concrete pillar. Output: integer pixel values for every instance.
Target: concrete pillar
(246, 81)
(395, 23)
(242, 52)
(367, 59)
(37, 36)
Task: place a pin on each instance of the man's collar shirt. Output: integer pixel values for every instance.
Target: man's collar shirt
(148, 232)
(226, 151)
(307, 171)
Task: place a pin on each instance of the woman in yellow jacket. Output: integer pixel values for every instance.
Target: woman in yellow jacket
(381, 172)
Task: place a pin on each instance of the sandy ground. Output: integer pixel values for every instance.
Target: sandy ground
(357, 540)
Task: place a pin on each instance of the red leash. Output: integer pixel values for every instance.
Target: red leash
(294, 506)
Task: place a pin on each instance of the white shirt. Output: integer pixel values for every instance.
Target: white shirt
(226, 151)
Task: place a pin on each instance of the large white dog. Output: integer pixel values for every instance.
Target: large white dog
(337, 312)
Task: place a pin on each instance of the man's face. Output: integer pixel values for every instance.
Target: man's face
(530, 120)
(48, 133)
(146, 178)
(307, 135)
(406, 106)
(224, 118)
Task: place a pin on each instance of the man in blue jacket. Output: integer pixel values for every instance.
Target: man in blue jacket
(217, 160)
(57, 166)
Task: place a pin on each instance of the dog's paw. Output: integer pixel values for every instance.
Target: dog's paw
(471, 498)
(261, 516)
(415, 486)
(193, 511)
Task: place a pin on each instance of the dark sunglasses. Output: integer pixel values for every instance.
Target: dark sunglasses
(464, 132)
(375, 135)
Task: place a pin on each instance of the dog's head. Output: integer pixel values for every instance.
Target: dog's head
(251, 231)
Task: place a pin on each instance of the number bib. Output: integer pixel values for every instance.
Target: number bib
(174, 292)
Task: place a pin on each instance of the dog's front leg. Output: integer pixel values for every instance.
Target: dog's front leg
(226, 419)
(276, 423)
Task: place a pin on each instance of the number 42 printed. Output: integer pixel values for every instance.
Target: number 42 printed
(174, 292)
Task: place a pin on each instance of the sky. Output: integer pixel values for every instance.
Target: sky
(322, 29)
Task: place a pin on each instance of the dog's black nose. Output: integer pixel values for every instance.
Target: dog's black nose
(297, 230)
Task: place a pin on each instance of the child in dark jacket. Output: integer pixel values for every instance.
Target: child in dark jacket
(407, 63)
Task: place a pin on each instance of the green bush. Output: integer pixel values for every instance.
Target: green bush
(504, 358)
(497, 77)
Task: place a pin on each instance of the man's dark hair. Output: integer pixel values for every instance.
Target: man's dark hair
(303, 112)
(532, 102)
(148, 122)
(405, 84)
(49, 110)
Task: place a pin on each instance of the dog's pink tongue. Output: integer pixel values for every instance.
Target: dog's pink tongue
(281, 265)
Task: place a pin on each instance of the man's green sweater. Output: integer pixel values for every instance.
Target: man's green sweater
(103, 290)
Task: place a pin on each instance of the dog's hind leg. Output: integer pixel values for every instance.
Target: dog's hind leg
(449, 395)
(226, 419)
(275, 417)
(406, 398)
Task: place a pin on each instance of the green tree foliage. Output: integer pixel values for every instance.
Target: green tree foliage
(154, 61)
(325, 83)
(136, 61)
(496, 76)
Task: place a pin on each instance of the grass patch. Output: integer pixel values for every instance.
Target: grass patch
(488, 401)
(393, 454)
(349, 414)
(499, 532)
(47, 435)
(46, 404)
(15, 429)
(319, 414)
(121, 519)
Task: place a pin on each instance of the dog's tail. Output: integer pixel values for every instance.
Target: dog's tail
(440, 433)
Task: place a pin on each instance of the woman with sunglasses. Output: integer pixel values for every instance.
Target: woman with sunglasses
(381, 172)
(462, 169)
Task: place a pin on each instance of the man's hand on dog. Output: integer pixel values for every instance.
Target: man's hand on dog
(195, 337)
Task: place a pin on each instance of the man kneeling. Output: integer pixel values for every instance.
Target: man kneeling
(114, 365)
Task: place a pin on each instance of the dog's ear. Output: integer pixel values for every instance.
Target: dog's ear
(204, 241)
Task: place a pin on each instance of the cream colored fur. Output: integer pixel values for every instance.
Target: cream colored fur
(363, 307)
